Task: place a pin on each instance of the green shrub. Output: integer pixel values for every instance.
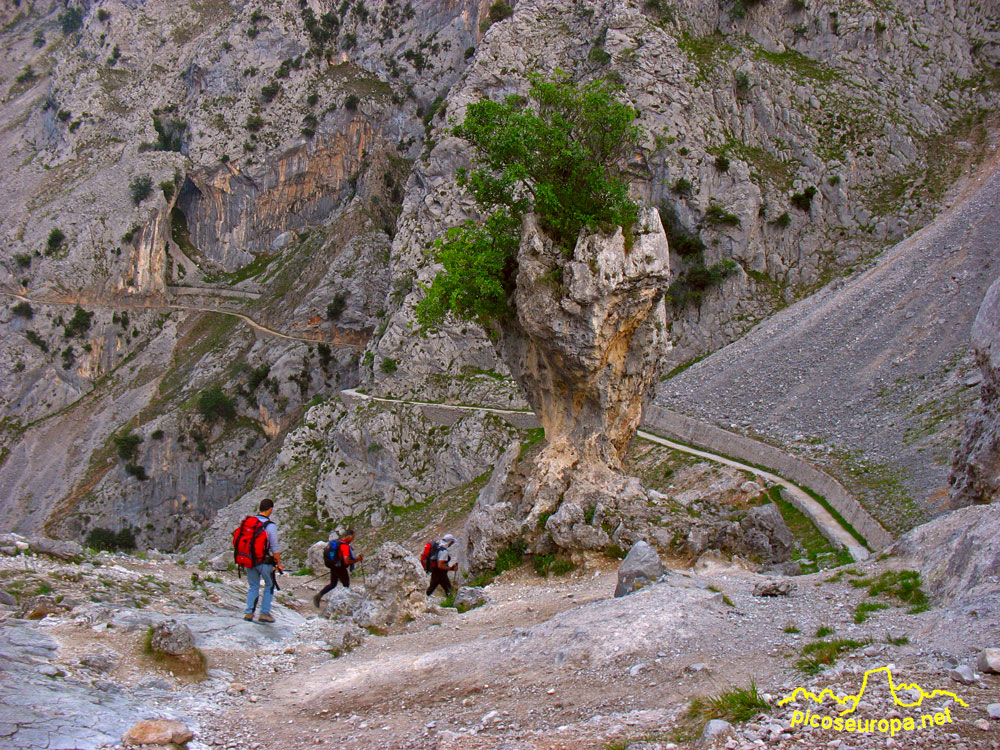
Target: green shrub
(23, 260)
(561, 567)
(156, 434)
(103, 15)
(126, 445)
(542, 563)
(599, 56)
(682, 186)
(388, 365)
(55, 241)
(312, 99)
(268, 92)
(39, 40)
(351, 102)
(100, 538)
(661, 10)
(615, 552)
(722, 163)
(682, 241)
(734, 704)
(564, 161)
(784, 221)
(254, 123)
(140, 188)
(68, 358)
(821, 654)
(716, 214)
(27, 75)
(500, 11)
(803, 200)
(864, 609)
(136, 471)
(23, 310)
(690, 286)
(213, 404)
(37, 340)
(336, 308)
(79, 324)
(510, 557)
(71, 20)
(168, 188)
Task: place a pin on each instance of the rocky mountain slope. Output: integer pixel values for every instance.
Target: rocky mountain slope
(871, 378)
(292, 162)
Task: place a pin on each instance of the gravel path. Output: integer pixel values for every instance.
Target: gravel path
(827, 524)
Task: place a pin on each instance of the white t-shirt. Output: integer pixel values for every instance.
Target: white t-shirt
(443, 557)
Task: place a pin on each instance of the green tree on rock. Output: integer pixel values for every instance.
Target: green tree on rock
(561, 154)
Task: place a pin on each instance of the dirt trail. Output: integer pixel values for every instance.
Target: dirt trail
(336, 340)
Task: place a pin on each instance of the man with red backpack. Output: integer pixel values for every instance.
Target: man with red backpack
(339, 557)
(256, 548)
(439, 565)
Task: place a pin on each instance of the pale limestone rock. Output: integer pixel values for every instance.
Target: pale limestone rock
(158, 732)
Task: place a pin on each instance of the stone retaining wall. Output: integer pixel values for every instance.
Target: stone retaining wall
(709, 437)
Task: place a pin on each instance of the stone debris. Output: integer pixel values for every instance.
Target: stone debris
(715, 729)
(989, 661)
(774, 587)
(173, 638)
(470, 597)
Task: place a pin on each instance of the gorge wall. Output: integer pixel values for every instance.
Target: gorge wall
(299, 165)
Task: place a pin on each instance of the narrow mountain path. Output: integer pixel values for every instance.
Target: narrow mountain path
(828, 525)
(117, 305)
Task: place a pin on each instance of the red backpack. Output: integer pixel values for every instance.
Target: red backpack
(250, 546)
(429, 558)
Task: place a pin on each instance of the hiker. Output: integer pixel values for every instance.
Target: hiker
(256, 548)
(440, 565)
(339, 558)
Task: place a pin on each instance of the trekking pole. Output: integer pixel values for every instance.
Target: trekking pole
(309, 581)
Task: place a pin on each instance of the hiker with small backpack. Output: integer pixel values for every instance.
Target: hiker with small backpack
(257, 550)
(339, 558)
(436, 560)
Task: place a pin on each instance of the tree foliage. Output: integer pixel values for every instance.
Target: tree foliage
(559, 153)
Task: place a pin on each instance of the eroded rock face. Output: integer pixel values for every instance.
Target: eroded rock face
(584, 346)
(975, 472)
(587, 334)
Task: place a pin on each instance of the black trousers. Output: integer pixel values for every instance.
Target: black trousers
(339, 575)
(439, 578)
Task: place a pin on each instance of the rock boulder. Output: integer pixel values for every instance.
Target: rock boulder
(172, 638)
(640, 567)
(59, 548)
(396, 583)
(158, 732)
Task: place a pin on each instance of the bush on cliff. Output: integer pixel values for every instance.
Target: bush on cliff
(559, 153)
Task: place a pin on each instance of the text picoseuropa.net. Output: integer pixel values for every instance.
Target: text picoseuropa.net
(883, 726)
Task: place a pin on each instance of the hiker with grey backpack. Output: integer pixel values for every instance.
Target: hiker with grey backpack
(339, 558)
(436, 560)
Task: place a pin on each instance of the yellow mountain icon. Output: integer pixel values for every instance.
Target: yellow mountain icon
(850, 702)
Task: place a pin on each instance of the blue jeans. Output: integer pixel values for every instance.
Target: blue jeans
(254, 576)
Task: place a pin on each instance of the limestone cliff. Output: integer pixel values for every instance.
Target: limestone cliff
(975, 474)
(585, 342)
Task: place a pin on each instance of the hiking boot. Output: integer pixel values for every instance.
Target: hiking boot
(248, 616)
(316, 601)
(265, 617)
